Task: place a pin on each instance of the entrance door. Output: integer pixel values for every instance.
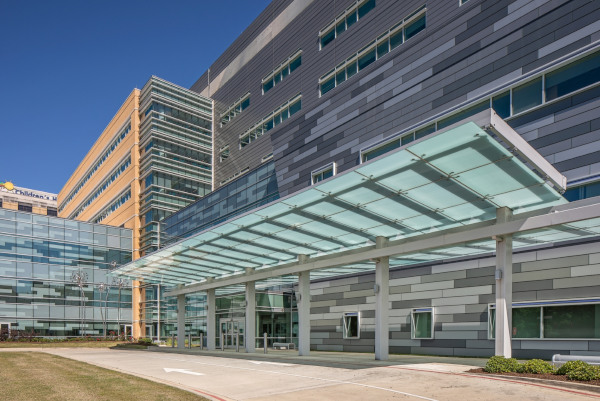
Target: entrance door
(127, 330)
(230, 326)
(4, 329)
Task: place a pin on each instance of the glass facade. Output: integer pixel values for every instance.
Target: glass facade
(176, 153)
(254, 189)
(38, 257)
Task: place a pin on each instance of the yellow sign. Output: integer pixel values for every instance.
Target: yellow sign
(8, 185)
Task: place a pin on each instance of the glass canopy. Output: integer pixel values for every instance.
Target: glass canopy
(445, 180)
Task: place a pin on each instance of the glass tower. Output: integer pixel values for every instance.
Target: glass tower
(175, 153)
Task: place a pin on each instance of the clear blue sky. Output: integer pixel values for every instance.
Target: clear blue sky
(67, 66)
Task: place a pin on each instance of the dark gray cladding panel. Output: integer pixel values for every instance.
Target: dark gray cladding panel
(463, 51)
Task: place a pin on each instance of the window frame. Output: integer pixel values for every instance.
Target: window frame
(414, 311)
(231, 109)
(223, 149)
(489, 96)
(345, 327)
(541, 305)
(329, 166)
(372, 46)
(332, 26)
(278, 71)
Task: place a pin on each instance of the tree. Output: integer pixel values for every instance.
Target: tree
(80, 279)
(104, 288)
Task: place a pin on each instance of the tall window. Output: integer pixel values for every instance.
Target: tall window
(351, 327)
(422, 323)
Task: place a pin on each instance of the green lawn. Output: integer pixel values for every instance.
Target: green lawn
(32, 376)
(66, 344)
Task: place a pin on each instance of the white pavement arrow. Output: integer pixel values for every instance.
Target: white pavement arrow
(187, 372)
(270, 363)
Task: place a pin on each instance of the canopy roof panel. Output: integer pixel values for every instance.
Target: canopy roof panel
(450, 178)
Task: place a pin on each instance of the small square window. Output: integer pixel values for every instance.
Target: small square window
(422, 323)
(351, 326)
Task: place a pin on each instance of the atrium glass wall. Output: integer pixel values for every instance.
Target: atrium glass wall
(176, 153)
(254, 189)
(39, 256)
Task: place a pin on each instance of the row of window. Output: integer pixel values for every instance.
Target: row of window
(179, 114)
(565, 319)
(275, 118)
(583, 191)
(111, 208)
(93, 170)
(421, 326)
(236, 108)
(344, 21)
(183, 98)
(382, 45)
(100, 189)
(231, 178)
(281, 71)
(535, 92)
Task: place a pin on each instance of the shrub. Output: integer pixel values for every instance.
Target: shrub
(569, 366)
(536, 366)
(500, 364)
(145, 341)
(584, 373)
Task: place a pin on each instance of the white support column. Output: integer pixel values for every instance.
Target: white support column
(382, 294)
(210, 320)
(503, 287)
(181, 321)
(250, 330)
(303, 302)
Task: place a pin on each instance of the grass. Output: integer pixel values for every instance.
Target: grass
(65, 344)
(35, 376)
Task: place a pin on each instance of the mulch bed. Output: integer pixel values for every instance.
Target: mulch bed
(545, 376)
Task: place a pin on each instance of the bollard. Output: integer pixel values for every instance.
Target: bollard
(237, 341)
(172, 340)
(201, 341)
(189, 341)
(265, 341)
(222, 343)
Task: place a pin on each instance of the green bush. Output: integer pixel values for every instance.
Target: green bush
(536, 366)
(145, 341)
(585, 373)
(569, 366)
(500, 364)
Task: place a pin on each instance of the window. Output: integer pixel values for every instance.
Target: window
(461, 2)
(583, 191)
(577, 75)
(422, 323)
(386, 42)
(50, 211)
(278, 116)
(344, 21)
(522, 97)
(323, 173)
(284, 69)
(566, 319)
(397, 142)
(25, 207)
(351, 327)
(236, 108)
(266, 158)
(119, 137)
(224, 154)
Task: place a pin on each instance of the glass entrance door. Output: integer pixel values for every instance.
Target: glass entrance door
(230, 327)
(4, 329)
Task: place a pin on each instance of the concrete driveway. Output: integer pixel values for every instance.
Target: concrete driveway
(322, 376)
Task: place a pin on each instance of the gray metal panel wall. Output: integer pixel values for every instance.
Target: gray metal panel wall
(463, 51)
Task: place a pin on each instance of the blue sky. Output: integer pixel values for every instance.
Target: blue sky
(67, 66)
